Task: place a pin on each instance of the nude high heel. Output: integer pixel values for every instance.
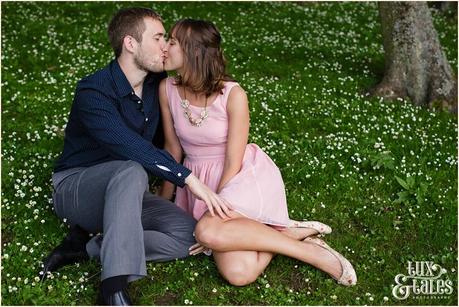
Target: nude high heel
(321, 228)
(348, 276)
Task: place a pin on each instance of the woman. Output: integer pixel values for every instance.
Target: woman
(205, 114)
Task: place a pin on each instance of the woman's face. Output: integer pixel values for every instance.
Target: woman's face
(174, 55)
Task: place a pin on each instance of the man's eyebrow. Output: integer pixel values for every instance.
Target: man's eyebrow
(159, 34)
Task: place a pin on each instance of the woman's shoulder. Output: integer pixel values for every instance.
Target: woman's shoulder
(167, 87)
(166, 82)
(232, 88)
(228, 87)
(234, 94)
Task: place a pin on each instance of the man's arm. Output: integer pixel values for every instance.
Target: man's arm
(105, 124)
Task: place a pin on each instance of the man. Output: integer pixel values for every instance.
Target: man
(100, 180)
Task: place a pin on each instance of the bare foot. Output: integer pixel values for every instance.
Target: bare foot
(298, 233)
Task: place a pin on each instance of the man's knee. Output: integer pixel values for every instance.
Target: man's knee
(135, 170)
(183, 232)
(132, 172)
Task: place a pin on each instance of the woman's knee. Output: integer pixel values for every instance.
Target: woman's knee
(206, 232)
(239, 274)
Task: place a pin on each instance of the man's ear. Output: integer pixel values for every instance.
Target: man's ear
(130, 44)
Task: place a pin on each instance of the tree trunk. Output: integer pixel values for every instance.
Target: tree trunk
(415, 65)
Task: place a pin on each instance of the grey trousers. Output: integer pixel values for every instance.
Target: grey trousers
(137, 226)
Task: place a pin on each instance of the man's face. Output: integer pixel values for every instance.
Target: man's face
(149, 55)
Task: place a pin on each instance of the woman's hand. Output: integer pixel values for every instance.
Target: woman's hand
(212, 200)
(198, 248)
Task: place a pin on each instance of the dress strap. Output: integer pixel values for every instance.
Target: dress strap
(228, 87)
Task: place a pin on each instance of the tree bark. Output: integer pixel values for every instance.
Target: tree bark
(415, 65)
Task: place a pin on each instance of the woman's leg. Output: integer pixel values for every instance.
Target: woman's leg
(243, 234)
(298, 233)
(241, 268)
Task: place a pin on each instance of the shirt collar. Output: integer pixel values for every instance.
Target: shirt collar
(123, 86)
(151, 77)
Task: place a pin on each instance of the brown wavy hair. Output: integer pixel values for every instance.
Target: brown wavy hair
(205, 65)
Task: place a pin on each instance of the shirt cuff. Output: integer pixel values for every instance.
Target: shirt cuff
(182, 174)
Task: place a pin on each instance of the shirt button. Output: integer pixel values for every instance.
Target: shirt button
(132, 93)
(179, 174)
(146, 119)
(139, 102)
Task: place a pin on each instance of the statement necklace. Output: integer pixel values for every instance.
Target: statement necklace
(193, 121)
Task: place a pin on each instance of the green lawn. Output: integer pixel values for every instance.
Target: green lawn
(305, 68)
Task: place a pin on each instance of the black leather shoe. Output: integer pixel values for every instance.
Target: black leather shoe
(119, 298)
(71, 250)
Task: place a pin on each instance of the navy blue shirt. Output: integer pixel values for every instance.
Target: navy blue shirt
(108, 121)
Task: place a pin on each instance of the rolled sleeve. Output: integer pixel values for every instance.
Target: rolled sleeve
(104, 123)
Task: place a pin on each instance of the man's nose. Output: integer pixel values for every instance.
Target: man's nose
(163, 44)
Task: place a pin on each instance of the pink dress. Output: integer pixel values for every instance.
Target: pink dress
(256, 192)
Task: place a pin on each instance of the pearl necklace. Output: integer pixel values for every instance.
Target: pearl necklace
(193, 121)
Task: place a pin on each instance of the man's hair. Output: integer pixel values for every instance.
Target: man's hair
(128, 21)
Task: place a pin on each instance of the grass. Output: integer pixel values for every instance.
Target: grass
(305, 68)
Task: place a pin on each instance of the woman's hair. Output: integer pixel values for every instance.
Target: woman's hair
(128, 21)
(205, 65)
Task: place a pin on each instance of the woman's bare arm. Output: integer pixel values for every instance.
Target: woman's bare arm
(172, 143)
(238, 133)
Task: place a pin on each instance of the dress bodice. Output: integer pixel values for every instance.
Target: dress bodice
(209, 139)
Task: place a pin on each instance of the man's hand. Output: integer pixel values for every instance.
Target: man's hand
(212, 200)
